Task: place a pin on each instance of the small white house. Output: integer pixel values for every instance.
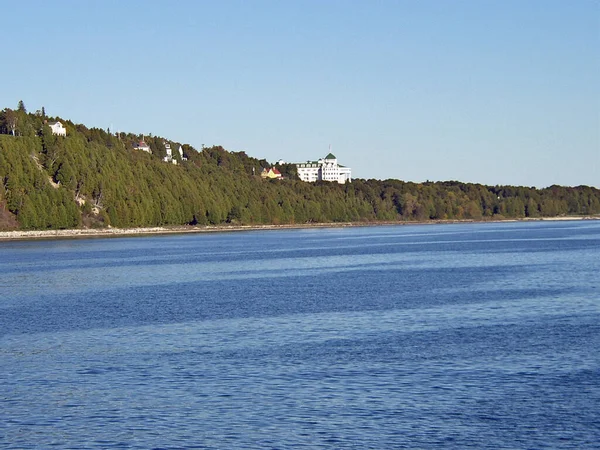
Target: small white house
(57, 128)
(183, 158)
(169, 157)
(142, 146)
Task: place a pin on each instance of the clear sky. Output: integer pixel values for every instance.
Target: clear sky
(484, 91)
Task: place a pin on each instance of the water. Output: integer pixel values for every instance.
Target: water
(453, 336)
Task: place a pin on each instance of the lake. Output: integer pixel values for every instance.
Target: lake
(418, 336)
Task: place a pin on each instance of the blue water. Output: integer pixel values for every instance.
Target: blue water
(436, 336)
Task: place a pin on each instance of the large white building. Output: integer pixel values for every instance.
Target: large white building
(326, 169)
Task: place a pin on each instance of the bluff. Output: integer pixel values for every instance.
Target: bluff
(95, 178)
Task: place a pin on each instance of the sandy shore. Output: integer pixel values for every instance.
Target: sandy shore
(108, 232)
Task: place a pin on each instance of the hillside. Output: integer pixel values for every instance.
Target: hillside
(94, 178)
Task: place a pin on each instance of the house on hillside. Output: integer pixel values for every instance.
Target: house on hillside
(183, 158)
(169, 157)
(326, 169)
(142, 146)
(57, 128)
(271, 173)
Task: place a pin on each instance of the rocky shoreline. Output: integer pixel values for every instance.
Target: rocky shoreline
(108, 232)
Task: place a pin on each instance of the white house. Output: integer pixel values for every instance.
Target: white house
(142, 146)
(326, 169)
(183, 158)
(169, 157)
(57, 128)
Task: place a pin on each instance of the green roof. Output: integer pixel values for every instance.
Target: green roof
(330, 156)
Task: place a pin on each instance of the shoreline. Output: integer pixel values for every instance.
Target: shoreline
(145, 231)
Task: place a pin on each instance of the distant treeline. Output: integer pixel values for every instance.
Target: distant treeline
(94, 178)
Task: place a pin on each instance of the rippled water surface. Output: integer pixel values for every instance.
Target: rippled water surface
(437, 336)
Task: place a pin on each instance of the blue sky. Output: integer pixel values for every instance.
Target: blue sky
(485, 91)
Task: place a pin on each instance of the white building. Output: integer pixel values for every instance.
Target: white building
(326, 169)
(57, 128)
(169, 157)
(142, 146)
(183, 158)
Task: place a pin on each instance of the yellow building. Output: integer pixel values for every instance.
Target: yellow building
(271, 172)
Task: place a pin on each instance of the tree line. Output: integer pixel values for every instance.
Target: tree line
(94, 178)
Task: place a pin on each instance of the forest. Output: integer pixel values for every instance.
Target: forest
(94, 178)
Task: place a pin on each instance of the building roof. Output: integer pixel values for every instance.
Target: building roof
(330, 156)
(308, 164)
(270, 172)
